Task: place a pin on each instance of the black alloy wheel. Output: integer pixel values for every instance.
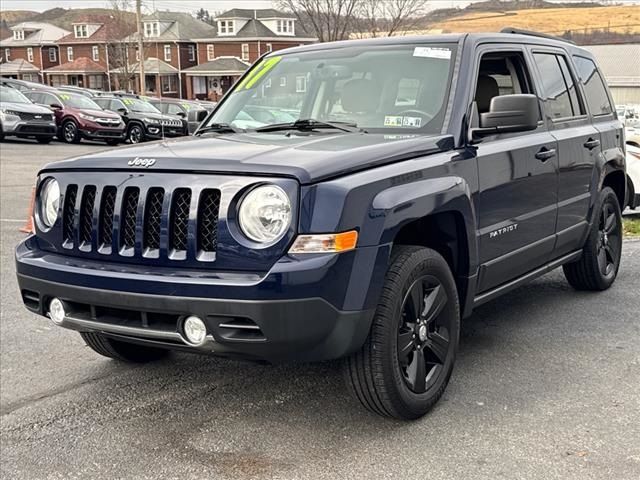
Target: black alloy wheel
(423, 336)
(609, 241)
(136, 135)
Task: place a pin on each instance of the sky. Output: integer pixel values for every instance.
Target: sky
(193, 5)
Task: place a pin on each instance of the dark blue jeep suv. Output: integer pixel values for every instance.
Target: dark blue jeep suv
(353, 199)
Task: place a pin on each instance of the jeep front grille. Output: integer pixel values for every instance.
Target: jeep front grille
(140, 221)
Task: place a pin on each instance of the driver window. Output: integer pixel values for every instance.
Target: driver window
(501, 74)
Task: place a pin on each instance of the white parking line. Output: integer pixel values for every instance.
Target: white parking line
(11, 220)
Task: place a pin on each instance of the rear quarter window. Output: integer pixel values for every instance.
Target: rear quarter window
(594, 86)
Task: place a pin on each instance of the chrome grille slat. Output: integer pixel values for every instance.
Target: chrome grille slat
(105, 224)
(208, 213)
(153, 218)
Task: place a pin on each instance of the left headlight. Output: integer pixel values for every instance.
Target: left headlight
(87, 116)
(153, 121)
(49, 203)
(265, 214)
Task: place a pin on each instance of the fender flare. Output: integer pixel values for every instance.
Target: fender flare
(400, 205)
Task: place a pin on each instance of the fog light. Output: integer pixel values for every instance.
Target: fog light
(194, 330)
(56, 311)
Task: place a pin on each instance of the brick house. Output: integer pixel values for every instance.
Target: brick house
(86, 53)
(35, 43)
(244, 35)
(169, 48)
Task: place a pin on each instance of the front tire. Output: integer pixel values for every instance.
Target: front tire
(406, 362)
(598, 267)
(122, 351)
(70, 132)
(135, 134)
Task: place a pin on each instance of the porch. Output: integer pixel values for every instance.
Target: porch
(161, 78)
(211, 80)
(20, 70)
(82, 72)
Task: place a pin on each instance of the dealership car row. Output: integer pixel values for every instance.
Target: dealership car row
(34, 111)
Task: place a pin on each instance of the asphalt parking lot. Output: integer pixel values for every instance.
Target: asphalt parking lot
(547, 386)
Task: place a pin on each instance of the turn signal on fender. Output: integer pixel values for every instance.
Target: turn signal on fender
(325, 243)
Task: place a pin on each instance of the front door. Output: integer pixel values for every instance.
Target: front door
(518, 179)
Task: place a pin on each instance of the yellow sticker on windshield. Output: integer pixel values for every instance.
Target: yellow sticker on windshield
(127, 101)
(64, 96)
(258, 72)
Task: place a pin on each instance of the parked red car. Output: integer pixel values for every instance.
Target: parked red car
(80, 117)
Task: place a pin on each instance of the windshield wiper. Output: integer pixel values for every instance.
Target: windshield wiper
(218, 128)
(310, 124)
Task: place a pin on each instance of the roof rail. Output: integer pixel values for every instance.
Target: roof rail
(519, 31)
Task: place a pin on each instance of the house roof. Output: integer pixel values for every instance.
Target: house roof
(182, 27)
(41, 34)
(255, 29)
(260, 13)
(611, 58)
(109, 30)
(152, 66)
(79, 65)
(17, 66)
(219, 66)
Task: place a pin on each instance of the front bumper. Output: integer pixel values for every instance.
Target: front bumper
(15, 126)
(99, 132)
(300, 310)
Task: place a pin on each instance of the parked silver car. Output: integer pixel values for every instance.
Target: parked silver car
(21, 118)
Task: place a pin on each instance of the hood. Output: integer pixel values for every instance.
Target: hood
(100, 113)
(308, 158)
(25, 107)
(156, 116)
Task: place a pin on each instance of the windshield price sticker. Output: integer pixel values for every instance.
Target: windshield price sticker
(400, 121)
(432, 52)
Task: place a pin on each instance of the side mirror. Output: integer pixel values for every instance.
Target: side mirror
(56, 106)
(202, 114)
(507, 114)
(181, 114)
(122, 111)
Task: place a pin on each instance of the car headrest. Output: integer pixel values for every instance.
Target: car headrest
(487, 89)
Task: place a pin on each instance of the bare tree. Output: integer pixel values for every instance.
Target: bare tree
(329, 20)
(121, 44)
(380, 18)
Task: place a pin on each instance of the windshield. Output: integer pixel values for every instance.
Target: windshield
(381, 89)
(12, 95)
(78, 101)
(139, 105)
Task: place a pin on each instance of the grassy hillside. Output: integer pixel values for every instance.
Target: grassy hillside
(60, 17)
(620, 19)
(15, 16)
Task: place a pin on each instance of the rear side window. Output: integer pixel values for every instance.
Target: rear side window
(559, 89)
(594, 88)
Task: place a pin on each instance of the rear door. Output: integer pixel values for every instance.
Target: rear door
(518, 177)
(578, 144)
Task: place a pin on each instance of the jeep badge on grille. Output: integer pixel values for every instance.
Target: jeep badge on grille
(141, 162)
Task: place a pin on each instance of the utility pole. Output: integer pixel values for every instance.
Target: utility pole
(140, 46)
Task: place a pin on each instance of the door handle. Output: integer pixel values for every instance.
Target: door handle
(546, 153)
(591, 144)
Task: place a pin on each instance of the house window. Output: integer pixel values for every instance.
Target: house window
(245, 51)
(167, 53)
(96, 82)
(169, 83)
(283, 81)
(269, 47)
(226, 27)
(284, 26)
(192, 53)
(301, 84)
(151, 29)
(80, 31)
(211, 54)
(53, 54)
(137, 55)
(30, 77)
(18, 34)
(7, 54)
(70, 54)
(95, 53)
(30, 55)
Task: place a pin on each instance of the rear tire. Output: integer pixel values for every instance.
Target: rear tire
(598, 267)
(122, 351)
(406, 362)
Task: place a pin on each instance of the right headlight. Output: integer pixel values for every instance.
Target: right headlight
(265, 214)
(49, 203)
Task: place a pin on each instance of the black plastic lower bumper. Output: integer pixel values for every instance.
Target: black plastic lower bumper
(280, 330)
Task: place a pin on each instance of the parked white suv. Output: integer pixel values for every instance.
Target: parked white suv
(633, 171)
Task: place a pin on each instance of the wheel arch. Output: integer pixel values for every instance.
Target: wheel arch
(616, 179)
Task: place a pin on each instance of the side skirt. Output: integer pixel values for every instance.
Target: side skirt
(526, 278)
